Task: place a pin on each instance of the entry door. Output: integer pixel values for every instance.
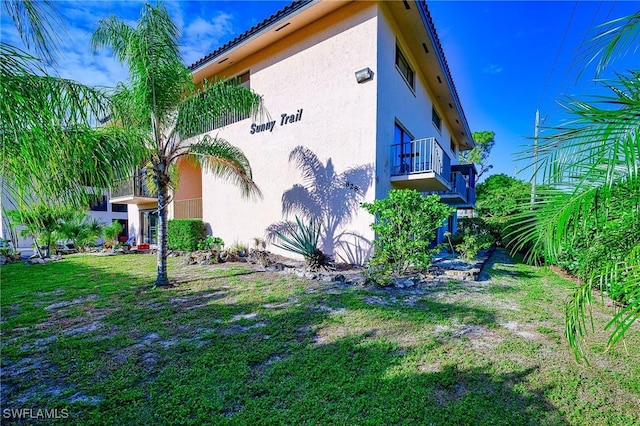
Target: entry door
(150, 226)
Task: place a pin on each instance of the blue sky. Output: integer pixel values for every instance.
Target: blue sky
(506, 58)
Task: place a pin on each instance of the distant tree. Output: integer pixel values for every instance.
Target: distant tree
(41, 222)
(498, 199)
(81, 228)
(479, 154)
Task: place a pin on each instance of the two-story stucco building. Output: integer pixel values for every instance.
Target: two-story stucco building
(359, 99)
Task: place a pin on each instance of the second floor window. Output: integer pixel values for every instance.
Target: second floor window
(119, 208)
(99, 205)
(435, 118)
(403, 66)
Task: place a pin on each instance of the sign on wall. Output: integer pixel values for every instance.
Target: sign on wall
(284, 120)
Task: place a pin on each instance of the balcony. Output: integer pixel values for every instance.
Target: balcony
(132, 191)
(463, 191)
(187, 209)
(420, 164)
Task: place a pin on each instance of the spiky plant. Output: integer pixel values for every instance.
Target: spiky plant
(303, 239)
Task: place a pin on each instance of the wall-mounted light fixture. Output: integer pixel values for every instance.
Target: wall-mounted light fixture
(364, 75)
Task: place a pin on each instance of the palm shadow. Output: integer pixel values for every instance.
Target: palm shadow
(331, 199)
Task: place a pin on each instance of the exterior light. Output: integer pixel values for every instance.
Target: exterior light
(364, 75)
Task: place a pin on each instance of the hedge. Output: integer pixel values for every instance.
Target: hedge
(185, 234)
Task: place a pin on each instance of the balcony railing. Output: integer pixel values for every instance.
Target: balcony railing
(188, 209)
(419, 156)
(459, 184)
(133, 186)
(222, 121)
(461, 193)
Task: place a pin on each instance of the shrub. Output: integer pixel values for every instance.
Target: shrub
(211, 243)
(184, 234)
(405, 226)
(83, 230)
(472, 244)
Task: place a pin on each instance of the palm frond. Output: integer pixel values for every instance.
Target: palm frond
(627, 274)
(615, 38)
(213, 102)
(38, 24)
(226, 162)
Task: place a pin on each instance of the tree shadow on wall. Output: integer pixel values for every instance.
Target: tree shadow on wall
(330, 199)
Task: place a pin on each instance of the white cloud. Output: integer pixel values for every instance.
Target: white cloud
(201, 36)
(492, 69)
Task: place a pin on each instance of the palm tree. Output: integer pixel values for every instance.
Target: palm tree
(161, 98)
(51, 140)
(592, 164)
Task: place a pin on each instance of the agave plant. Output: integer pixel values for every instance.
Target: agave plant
(303, 239)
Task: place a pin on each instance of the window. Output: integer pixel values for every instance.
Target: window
(402, 151)
(435, 118)
(400, 135)
(244, 80)
(403, 66)
(100, 205)
(453, 146)
(119, 208)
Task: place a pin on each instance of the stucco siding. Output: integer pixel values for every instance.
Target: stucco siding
(310, 76)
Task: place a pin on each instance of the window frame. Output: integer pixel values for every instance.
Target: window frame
(402, 61)
(434, 116)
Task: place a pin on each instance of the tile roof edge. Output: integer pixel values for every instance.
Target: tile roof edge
(271, 20)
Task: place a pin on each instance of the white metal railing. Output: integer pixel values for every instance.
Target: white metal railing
(419, 156)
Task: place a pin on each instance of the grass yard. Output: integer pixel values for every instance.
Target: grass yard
(232, 346)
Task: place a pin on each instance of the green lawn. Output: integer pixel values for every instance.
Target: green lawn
(231, 346)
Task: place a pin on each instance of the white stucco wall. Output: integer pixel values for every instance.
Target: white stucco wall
(398, 102)
(312, 70)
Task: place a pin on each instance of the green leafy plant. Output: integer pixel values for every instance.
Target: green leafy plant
(447, 235)
(471, 244)
(179, 110)
(592, 163)
(405, 226)
(111, 233)
(81, 229)
(185, 234)
(303, 239)
(7, 250)
(40, 221)
(211, 243)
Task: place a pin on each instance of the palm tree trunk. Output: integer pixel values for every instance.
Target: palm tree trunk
(163, 195)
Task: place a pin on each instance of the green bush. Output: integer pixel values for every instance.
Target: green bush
(184, 234)
(405, 226)
(211, 243)
(471, 244)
